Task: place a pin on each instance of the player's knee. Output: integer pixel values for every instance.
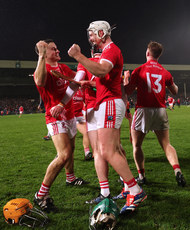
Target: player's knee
(63, 158)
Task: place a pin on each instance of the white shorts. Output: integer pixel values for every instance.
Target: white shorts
(80, 120)
(110, 114)
(171, 104)
(63, 126)
(91, 119)
(146, 119)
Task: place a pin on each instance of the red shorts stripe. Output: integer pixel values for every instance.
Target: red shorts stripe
(110, 115)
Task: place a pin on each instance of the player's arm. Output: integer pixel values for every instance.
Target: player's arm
(70, 91)
(129, 86)
(72, 88)
(97, 69)
(173, 89)
(88, 84)
(41, 72)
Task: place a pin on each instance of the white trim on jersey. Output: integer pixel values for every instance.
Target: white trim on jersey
(72, 88)
(102, 59)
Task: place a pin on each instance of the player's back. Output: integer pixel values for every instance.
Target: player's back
(151, 81)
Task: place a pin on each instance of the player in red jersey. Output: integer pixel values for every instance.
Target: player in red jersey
(110, 112)
(151, 80)
(87, 80)
(178, 102)
(21, 110)
(78, 103)
(61, 128)
(171, 102)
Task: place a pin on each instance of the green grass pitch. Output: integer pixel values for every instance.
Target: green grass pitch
(24, 157)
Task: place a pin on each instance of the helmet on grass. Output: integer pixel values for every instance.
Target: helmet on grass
(104, 215)
(21, 211)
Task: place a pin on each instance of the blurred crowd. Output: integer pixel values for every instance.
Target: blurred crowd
(11, 105)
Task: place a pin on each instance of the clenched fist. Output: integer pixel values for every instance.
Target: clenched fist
(41, 48)
(74, 51)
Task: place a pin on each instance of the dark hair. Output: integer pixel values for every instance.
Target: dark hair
(156, 49)
(48, 40)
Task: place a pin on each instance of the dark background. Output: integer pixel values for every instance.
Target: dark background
(24, 22)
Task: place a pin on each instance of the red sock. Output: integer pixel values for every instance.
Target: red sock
(44, 190)
(176, 168)
(142, 172)
(70, 177)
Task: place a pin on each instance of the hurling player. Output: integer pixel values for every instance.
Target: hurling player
(61, 128)
(151, 80)
(110, 112)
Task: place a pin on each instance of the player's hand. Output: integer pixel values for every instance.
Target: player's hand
(85, 84)
(74, 51)
(42, 47)
(57, 110)
(126, 77)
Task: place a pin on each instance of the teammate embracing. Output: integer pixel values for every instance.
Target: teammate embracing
(63, 127)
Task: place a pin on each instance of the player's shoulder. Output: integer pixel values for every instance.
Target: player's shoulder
(111, 46)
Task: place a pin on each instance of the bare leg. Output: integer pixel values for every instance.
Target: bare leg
(109, 152)
(137, 139)
(163, 138)
(64, 151)
(82, 129)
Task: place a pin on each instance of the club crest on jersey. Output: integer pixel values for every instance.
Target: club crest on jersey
(110, 118)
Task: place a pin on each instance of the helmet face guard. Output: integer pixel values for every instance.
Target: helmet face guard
(95, 50)
(20, 211)
(104, 215)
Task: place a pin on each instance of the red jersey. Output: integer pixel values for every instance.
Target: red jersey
(78, 102)
(21, 109)
(90, 94)
(53, 92)
(151, 80)
(109, 87)
(170, 100)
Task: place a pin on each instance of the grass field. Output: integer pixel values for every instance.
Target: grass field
(24, 157)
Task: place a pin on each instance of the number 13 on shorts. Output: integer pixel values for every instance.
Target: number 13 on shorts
(156, 82)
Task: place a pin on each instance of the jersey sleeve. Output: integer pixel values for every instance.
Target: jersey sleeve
(132, 83)
(169, 79)
(81, 68)
(110, 55)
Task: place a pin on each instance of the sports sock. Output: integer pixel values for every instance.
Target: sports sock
(125, 186)
(104, 186)
(70, 177)
(176, 168)
(44, 190)
(86, 150)
(133, 187)
(141, 173)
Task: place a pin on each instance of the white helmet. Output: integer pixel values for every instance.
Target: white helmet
(100, 25)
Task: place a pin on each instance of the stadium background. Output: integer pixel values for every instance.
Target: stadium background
(17, 85)
(23, 23)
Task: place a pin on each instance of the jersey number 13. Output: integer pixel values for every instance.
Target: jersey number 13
(157, 78)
